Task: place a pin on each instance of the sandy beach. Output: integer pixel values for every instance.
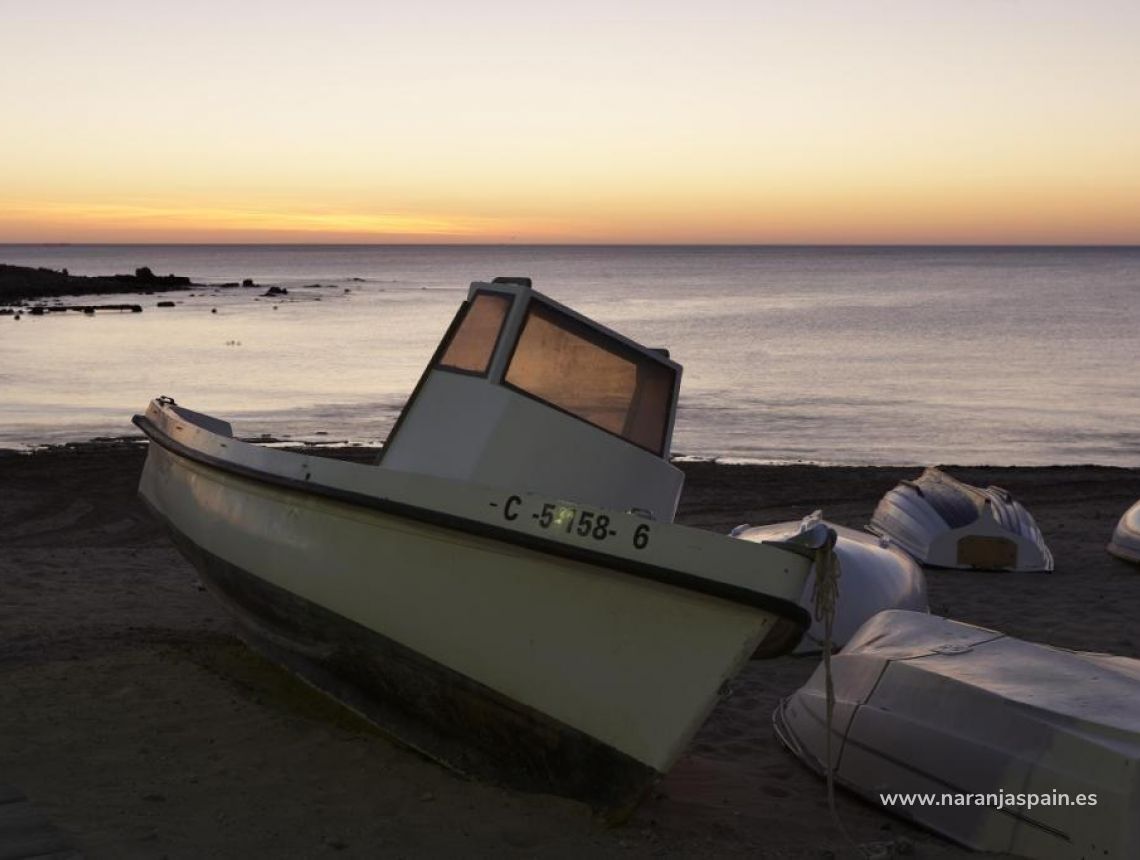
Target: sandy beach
(133, 716)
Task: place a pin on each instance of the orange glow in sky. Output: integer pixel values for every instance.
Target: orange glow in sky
(813, 122)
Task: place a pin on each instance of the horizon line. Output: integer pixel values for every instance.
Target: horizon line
(995, 245)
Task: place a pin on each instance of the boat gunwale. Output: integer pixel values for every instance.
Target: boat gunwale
(778, 606)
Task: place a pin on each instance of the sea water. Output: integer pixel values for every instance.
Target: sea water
(1023, 356)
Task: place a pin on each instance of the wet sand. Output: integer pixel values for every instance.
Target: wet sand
(133, 717)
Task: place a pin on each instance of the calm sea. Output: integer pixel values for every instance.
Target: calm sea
(837, 355)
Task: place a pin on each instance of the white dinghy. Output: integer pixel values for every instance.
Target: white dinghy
(874, 576)
(1125, 541)
(506, 591)
(943, 522)
(1017, 747)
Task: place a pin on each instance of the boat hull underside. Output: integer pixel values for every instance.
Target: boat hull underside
(420, 702)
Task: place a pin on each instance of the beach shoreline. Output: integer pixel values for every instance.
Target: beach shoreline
(132, 715)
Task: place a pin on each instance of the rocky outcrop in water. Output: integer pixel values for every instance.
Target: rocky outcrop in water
(20, 283)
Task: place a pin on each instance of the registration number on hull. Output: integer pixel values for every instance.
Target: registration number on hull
(575, 520)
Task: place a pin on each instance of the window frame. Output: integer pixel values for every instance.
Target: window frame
(604, 340)
(457, 324)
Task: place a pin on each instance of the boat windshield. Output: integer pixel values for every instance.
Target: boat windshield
(566, 364)
(473, 342)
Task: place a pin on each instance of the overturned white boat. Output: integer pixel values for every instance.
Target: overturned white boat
(1125, 541)
(874, 576)
(943, 522)
(999, 744)
(506, 591)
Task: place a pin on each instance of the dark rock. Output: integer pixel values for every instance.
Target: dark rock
(248, 282)
(276, 291)
(166, 304)
(145, 276)
(22, 282)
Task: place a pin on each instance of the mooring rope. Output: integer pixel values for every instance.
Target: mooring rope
(825, 600)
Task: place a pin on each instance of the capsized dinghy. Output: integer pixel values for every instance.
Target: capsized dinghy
(943, 522)
(1125, 541)
(967, 715)
(874, 576)
(506, 591)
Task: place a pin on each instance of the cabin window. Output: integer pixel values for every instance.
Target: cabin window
(593, 377)
(473, 342)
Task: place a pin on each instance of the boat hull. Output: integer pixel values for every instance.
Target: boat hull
(874, 576)
(1125, 543)
(534, 670)
(944, 523)
(964, 715)
(419, 702)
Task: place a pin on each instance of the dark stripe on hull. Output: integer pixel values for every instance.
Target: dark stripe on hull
(679, 579)
(445, 715)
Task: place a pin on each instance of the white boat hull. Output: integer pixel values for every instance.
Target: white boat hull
(965, 715)
(945, 523)
(541, 662)
(874, 576)
(1125, 543)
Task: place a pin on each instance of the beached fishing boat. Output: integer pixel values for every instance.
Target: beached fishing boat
(506, 590)
(1013, 747)
(1125, 541)
(943, 522)
(874, 576)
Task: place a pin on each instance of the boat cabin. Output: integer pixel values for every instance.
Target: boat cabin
(525, 394)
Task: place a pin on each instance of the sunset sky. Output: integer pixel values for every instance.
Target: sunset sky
(725, 122)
